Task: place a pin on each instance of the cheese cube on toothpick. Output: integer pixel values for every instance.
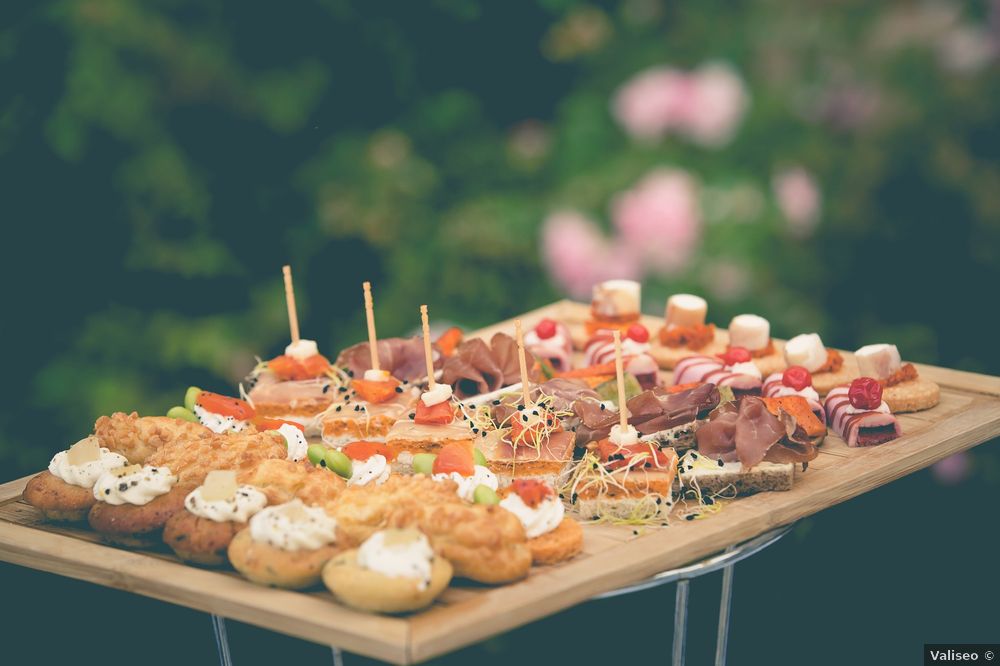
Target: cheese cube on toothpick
(219, 485)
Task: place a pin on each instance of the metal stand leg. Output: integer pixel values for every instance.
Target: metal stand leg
(722, 638)
(680, 622)
(338, 656)
(221, 640)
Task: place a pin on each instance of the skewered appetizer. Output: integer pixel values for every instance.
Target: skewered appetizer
(753, 333)
(795, 380)
(467, 470)
(477, 368)
(553, 537)
(826, 365)
(403, 358)
(600, 352)
(685, 332)
(134, 503)
(616, 304)
(435, 423)
(528, 441)
(285, 545)
(65, 491)
(213, 514)
(366, 409)
(734, 369)
(903, 388)
(394, 571)
(858, 414)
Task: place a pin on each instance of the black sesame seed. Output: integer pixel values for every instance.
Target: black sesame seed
(399, 389)
(496, 402)
(635, 532)
(412, 415)
(122, 487)
(339, 407)
(720, 462)
(603, 407)
(690, 517)
(483, 433)
(520, 407)
(326, 388)
(342, 389)
(524, 417)
(107, 491)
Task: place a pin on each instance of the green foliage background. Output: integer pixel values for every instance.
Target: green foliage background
(163, 159)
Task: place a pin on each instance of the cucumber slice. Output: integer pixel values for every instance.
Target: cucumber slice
(182, 413)
(423, 463)
(190, 397)
(484, 495)
(478, 457)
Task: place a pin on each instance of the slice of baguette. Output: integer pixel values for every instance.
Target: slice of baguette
(648, 507)
(763, 477)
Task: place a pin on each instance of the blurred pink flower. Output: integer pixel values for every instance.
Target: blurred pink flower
(953, 469)
(578, 256)
(705, 105)
(660, 219)
(799, 200)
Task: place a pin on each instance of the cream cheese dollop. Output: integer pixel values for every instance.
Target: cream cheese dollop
(436, 395)
(373, 470)
(302, 349)
(746, 368)
(626, 437)
(87, 474)
(246, 502)
(481, 476)
(293, 526)
(218, 423)
(139, 487)
(396, 558)
(536, 520)
(296, 441)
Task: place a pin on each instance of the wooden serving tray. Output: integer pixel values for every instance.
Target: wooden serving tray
(969, 414)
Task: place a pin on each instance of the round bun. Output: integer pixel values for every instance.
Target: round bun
(369, 590)
(58, 500)
(562, 543)
(200, 540)
(137, 526)
(267, 565)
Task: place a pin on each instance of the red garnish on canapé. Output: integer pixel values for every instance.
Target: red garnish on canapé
(530, 431)
(865, 393)
(546, 329)
(796, 377)
(225, 406)
(615, 456)
(454, 458)
(531, 491)
(637, 332)
(735, 355)
(440, 414)
(375, 392)
(265, 423)
(363, 450)
(449, 340)
(289, 368)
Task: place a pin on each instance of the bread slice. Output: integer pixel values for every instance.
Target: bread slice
(406, 439)
(644, 494)
(354, 420)
(732, 479)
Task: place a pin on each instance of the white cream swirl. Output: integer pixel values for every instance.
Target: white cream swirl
(246, 502)
(536, 520)
(87, 474)
(481, 476)
(373, 470)
(409, 559)
(218, 423)
(293, 526)
(139, 487)
(295, 440)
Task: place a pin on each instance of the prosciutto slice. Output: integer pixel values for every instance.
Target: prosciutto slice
(476, 367)
(698, 369)
(402, 357)
(858, 427)
(774, 388)
(650, 412)
(747, 432)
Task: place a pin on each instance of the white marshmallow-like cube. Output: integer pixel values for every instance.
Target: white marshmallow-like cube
(749, 331)
(302, 349)
(806, 350)
(617, 298)
(685, 310)
(879, 361)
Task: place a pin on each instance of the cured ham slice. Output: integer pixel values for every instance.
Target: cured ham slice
(557, 349)
(650, 412)
(748, 433)
(702, 369)
(476, 367)
(402, 357)
(860, 427)
(775, 388)
(635, 357)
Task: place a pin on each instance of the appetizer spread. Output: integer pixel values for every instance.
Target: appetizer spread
(685, 332)
(826, 365)
(616, 305)
(903, 388)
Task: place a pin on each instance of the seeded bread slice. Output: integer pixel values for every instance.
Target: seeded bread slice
(763, 477)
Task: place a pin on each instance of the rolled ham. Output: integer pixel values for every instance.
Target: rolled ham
(635, 357)
(557, 350)
(774, 388)
(701, 369)
(402, 357)
(858, 427)
(476, 367)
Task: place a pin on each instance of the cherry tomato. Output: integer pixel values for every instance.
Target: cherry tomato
(224, 405)
(796, 377)
(316, 365)
(375, 392)
(455, 458)
(637, 332)
(440, 414)
(264, 423)
(546, 329)
(865, 393)
(735, 355)
(531, 491)
(365, 450)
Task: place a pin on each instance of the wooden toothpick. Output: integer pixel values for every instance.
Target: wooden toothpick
(428, 354)
(370, 315)
(523, 362)
(622, 413)
(293, 317)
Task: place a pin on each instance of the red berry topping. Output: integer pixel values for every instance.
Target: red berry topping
(546, 329)
(735, 355)
(865, 393)
(531, 491)
(637, 332)
(796, 377)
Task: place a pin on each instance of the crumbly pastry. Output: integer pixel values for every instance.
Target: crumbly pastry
(203, 531)
(58, 500)
(826, 381)
(138, 437)
(558, 545)
(483, 543)
(191, 461)
(137, 526)
(912, 396)
(284, 480)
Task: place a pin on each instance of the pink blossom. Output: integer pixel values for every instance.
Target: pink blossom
(799, 200)
(705, 105)
(660, 219)
(953, 469)
(578, 256)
